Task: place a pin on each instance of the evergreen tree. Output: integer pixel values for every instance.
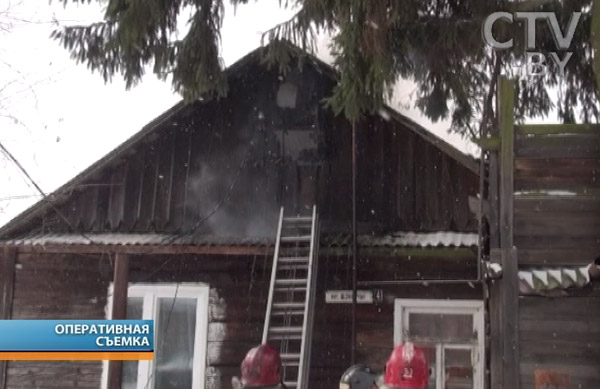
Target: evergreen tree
(437, 43)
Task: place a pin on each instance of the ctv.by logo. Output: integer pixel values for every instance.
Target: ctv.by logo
(535, 64)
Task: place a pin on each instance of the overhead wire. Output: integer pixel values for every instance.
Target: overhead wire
(170, 239)
(42, 193)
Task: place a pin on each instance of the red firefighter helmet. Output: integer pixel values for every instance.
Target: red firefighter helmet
(406, 368)
(261, 367)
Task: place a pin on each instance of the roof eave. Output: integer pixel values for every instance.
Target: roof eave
(56, 196)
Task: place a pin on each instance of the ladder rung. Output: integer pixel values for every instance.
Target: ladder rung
(288, 305)
(297, 219)
(285, 330)
(300, 281)
(293, 267)
(300, 238)
(288, 313)
(293, 259)
(291, 289)
(290, 384)
(294, 251)
(286, 337)
(290, 357)
(291, 364)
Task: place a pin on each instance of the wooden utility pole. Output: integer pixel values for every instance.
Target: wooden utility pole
(119, 312)
(509, 282)
(354, 248)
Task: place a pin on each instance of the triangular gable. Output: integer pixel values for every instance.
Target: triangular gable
(64, 193)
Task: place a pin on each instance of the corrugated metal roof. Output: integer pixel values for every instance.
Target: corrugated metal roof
(399, 239)
(125, 239)
(551, 280)
(407, 239)
(421, 239)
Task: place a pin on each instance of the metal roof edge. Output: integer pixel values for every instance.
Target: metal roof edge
(56, 196)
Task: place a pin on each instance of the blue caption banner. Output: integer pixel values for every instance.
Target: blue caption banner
(76, 335)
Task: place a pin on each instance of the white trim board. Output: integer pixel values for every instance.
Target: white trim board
(403, 307)
(150, 292)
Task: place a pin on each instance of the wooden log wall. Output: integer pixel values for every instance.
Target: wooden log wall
(58, 287)
(557, 223)
(375, 323)
(7, 287)
(70, 286)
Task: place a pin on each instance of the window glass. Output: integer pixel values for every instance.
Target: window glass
(176, 327)
(441, 327)
(135, 306)
(431, 357)
(179, 356)
(458, 369)
(451, 333)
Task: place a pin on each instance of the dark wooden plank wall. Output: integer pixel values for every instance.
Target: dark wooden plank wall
(75, 287)
(561, 335)
(404, 182)
(555, 227)
(178, 174)
(558, 226)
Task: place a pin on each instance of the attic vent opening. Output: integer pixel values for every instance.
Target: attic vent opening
(287, 95)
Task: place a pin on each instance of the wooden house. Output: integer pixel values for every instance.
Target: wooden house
(181, 220)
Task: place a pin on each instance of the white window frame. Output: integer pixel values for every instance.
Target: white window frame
(404, 307)
(150, 294)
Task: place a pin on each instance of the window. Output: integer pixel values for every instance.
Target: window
(452, 334)
(180, 314)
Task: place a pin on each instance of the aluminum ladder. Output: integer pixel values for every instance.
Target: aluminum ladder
(290, 306)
